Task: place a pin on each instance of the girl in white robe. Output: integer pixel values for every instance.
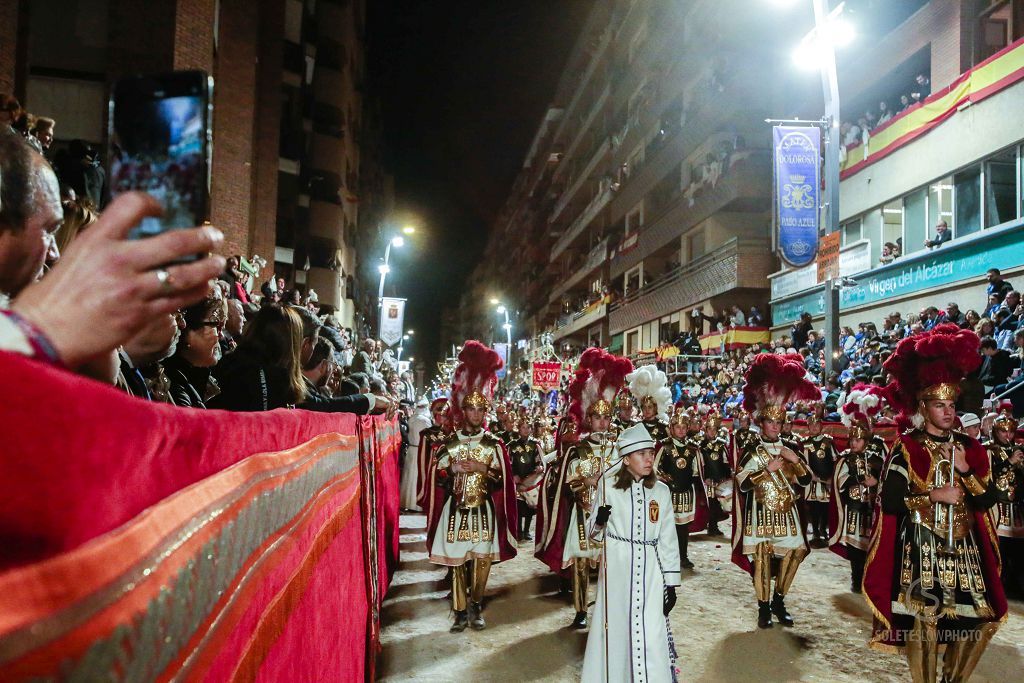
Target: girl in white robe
(642, 559)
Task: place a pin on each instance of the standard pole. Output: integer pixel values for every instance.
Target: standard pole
(831, 328)
(380, 290)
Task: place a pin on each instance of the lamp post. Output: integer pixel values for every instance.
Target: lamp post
(818, 48)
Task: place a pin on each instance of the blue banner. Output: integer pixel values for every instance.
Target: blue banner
(797, 186)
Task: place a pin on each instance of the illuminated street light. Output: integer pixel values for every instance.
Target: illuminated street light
(409, 229)
(398, 241)
(501, 309)
(410, 332)
(495, 302)
(383, 269)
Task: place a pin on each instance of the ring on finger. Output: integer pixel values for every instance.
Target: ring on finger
(165, 280)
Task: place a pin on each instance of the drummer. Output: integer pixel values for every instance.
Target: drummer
(527, 467)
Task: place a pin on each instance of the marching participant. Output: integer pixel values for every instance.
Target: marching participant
(430, 439)
(600, 376)
(680, 466)
(527, 468)
(630, 639)
(1007, 461)
(717, 472)
(819, 452)
(649, 386)
(767, 526)
(855, 483)
(742, 436)
(623, 413)
(472, 504)
(932, 574)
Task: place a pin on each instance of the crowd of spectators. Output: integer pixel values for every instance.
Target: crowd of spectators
(193, 333)
(859, 132)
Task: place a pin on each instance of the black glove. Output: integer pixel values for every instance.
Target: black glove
(603, 513)
(670, 599)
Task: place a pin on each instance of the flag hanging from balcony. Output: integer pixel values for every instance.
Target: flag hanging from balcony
(797, 186)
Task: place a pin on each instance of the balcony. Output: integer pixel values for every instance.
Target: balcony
(710, 115)
(577, 227)
(581, 320)
(744, 187)
(736, 264)
(328, 284)
(585, 125)
(597, 256)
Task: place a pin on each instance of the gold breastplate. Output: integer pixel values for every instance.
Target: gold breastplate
(773, 492)
(926, 517)
(470, 488)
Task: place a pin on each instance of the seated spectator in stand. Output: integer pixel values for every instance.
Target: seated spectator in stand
(954, 315)
(997, 285)
(112, 279)
(971, 319)
(801, 329)
(942, 235)
(904, 104)
(1012, 303)
(994, 304)
(996, 365)
(198, 351)
(233, 328)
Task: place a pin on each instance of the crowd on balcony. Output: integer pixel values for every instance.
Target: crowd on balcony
(136, 314)
(858, 132)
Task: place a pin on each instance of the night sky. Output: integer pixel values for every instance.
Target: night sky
(463, 86)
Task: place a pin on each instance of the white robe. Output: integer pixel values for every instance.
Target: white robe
(636, 575)
(410, 468)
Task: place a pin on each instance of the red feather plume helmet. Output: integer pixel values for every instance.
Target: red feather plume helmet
(773, 381)
(930, 366)
(606, 375)
(474, 379)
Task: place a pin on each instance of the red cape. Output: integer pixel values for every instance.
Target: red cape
(553, 516)
(506, 511)
(424, 463)
(878, 573)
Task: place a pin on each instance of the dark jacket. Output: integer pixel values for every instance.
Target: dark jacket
(188, 383)
(248, 383)
(996, 368)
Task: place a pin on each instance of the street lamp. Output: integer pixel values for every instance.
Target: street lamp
(818, 48)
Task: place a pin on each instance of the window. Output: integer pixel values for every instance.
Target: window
(967, 202)
(632, 342)
(696, 245)
(940, 204)
(1001, 188)
(871, 230)
(635, 219)
(892, 225)
(1000, 23)
(915, 224)
(851, 232)
(632, 280)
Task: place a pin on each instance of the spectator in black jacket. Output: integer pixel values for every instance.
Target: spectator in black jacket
(997, 285)
(801, 330)
(996, 365)
(197, 352)
(316, 372)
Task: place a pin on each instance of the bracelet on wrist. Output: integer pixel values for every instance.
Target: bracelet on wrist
(42, 347)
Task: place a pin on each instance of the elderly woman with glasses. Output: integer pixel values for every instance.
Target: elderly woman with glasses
(188, 370)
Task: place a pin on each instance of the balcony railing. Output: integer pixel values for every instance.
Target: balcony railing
(570, 324)
(734, 265)
(747, 179)
(594, 258)
(577, 227)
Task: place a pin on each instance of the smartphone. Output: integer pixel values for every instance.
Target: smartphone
(160, 133)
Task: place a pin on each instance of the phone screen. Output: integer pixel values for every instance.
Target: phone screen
(160, 145)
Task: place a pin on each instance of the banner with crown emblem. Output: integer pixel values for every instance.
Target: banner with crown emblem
(797, 189)
(392, 320)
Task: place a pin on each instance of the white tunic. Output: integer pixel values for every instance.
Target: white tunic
(642, 557)
(410, 468)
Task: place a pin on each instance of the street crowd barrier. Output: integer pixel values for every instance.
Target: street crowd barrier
(141, 541)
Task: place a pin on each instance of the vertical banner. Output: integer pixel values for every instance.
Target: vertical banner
(797, 189)
(392, 320)
(501, 348)
(828, 256)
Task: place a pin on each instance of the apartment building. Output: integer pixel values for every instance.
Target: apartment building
(646, 192)
(288, 111)
(953, 156)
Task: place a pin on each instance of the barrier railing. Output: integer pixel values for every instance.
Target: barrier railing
(142, 541)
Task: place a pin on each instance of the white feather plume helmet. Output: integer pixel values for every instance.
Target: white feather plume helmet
(650, 382)
(862, 406)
